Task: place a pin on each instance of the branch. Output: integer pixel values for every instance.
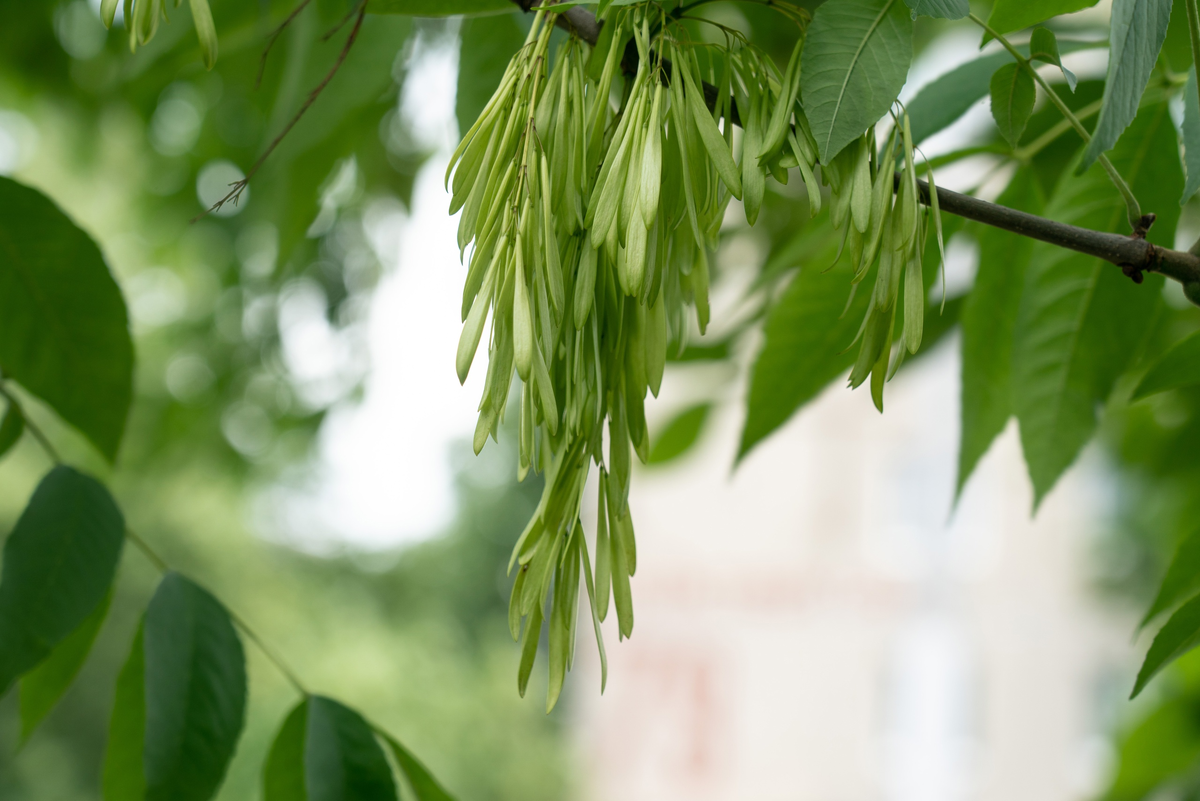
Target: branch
(1133, 254)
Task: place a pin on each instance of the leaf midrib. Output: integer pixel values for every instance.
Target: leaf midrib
(854, 63)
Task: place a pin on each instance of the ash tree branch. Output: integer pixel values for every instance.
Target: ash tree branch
(1133, 254)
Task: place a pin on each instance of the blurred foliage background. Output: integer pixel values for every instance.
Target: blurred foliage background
(135, 146)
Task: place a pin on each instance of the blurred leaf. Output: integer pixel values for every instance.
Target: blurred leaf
(44, 685)
(1081, 321)
(941, 9)
(1013, 94)
(1043, 46)
(439, 8)
(124, 775)
(715, 352)
(195, 692)
(855, 61)
(988, 322)
(1180, 635)
(1178, 367)
(283, 773)
(1182, 579)
(1191, 137)
(342, 758)
(424, 786)
(1138, 30)
(1012, 15)
(679, 435)
(1166, 743)
(64, 331)
(486, 48)
(58, 566)
(947, 98)
(11, 428)
(807, 345)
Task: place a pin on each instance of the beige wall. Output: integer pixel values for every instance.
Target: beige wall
(810, 626)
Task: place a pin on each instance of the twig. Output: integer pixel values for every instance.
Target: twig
(262, 63)
(240, 186)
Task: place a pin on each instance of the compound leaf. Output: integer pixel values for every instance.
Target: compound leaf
(195, 675)
(1081, 321)
(64, 330)
(1137, 32)
(59, 563)
(855, 61)
(1013, 93)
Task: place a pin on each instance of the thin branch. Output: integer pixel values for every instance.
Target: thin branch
(240, 186)
(1133, 254)
(275, 34)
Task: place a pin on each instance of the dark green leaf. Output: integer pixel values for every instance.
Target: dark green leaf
(64, 331)
(1013, 93)
(439, 8)
(342, 758)
(58, 565)
(1178, 367)
(1182, 579)
(1191, 137)
(283, 773)
(948, 97)
(855, 61)
(1180, 635)
(680, 434)
(1137, 32)
(715, 352)
(195, 692)
(487, 47)
(1081, 321)
(44, 685)
(424, 786)
(1012, 15)
(11, 428)
(942, 9)
(124, 775)
(988, 322)
(807, 345)
(1043, 46)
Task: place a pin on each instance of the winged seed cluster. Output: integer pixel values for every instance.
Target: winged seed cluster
(589, 225)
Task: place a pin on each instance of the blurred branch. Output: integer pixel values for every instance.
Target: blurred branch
(240, 186)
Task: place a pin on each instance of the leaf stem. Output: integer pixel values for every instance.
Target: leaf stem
(33, 427)
(1133, 210)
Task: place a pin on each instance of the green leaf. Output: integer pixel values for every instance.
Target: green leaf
(1180, 635)
(1178, 367)
(424, 786)
(988, 324)
(680, 434)
(439, 8)
(1137, 32)
(11, 428)
(1043, 46)
(948, 97)
(487, 47)
(283, 773)
(124, 776)
(855, 61)
(342, 758)
(807, 345)
(1012, 15)
(195, 692)
(44, 685)
(1013, 93)
(1081, 321)
(64, 331)
(942, 9)
(1191, 137)
(1161, 746)
(59, 563)
(1182, 579)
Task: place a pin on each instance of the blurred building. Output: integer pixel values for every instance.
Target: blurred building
(817, 624)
